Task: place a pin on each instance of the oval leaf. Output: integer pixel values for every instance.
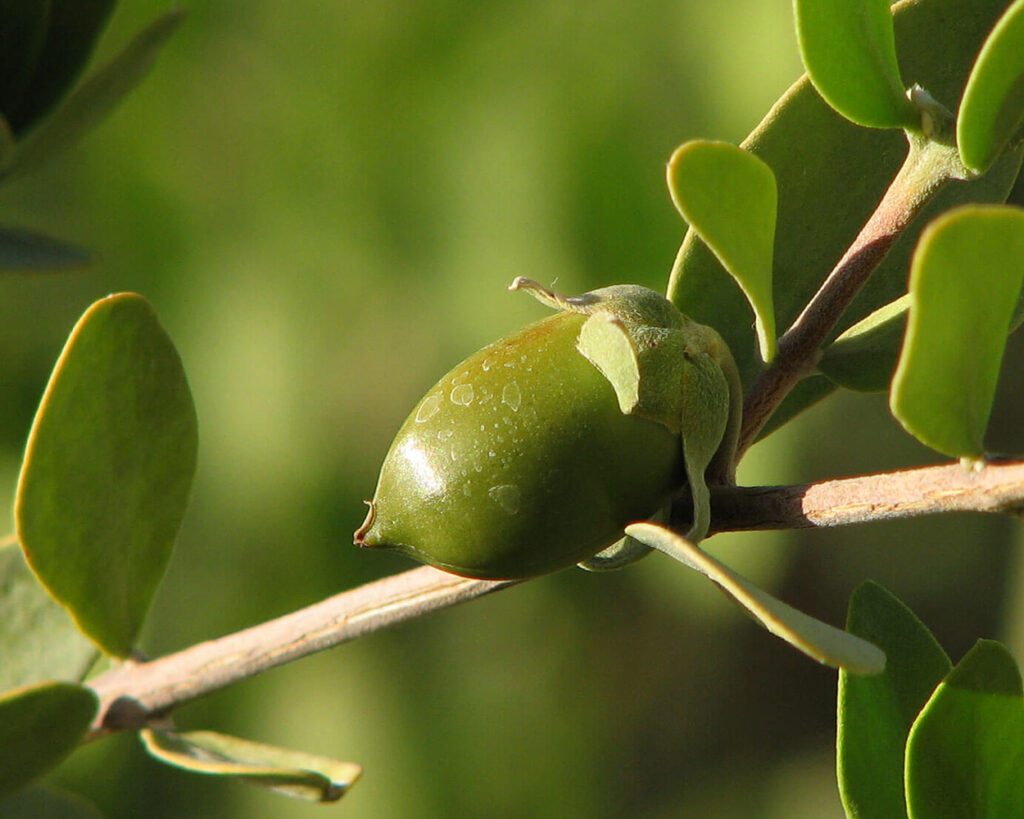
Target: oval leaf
(24, 250)
(849, 51)
(93, 99)
(38, 640)
(39, 726)
(965, 753)
(816, 639)
(820, 159)
(875, 713)
(992, 109)
(965, 280)
(292, 773)
(108, 468)
(728, 197)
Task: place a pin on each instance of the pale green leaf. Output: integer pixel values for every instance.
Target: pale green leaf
(108, 468)
(39, 726)
(606, 344)
(292, 773)
(728, 197)
(849, 51)
(965, 281)
(965, 753)
(992, 109)
(816, 639)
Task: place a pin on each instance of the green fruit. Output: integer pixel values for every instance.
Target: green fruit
(536, 452)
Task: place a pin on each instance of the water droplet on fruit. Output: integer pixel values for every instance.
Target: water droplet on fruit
(430, 405)
(511, 397)
(506, 496)
(462, 395)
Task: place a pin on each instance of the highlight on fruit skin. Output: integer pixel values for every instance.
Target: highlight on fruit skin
(534, 453)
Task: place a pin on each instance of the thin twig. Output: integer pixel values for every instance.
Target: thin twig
(909, 493)
(134, 693)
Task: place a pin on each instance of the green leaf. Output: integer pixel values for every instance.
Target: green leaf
(73, 27)
(40, 726)
(24, 250)
(108, 468)
(37, 802)
(849, 51)
(965, 753)
(292, 773)
(820, 159)
(816, 639)
(728, 196)
(992, 109)
(22, 35)
(876, 712)
(965, 280)
(38, 640)
(864, 357)
(94, 98)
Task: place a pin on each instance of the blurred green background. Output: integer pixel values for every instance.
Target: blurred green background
(325, 202)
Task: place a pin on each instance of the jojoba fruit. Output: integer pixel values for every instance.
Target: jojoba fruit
(534, 453)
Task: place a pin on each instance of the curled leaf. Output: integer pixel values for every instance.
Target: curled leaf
(292, 773)
(818, 640)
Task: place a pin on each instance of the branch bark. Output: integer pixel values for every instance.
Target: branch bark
(135, 693)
